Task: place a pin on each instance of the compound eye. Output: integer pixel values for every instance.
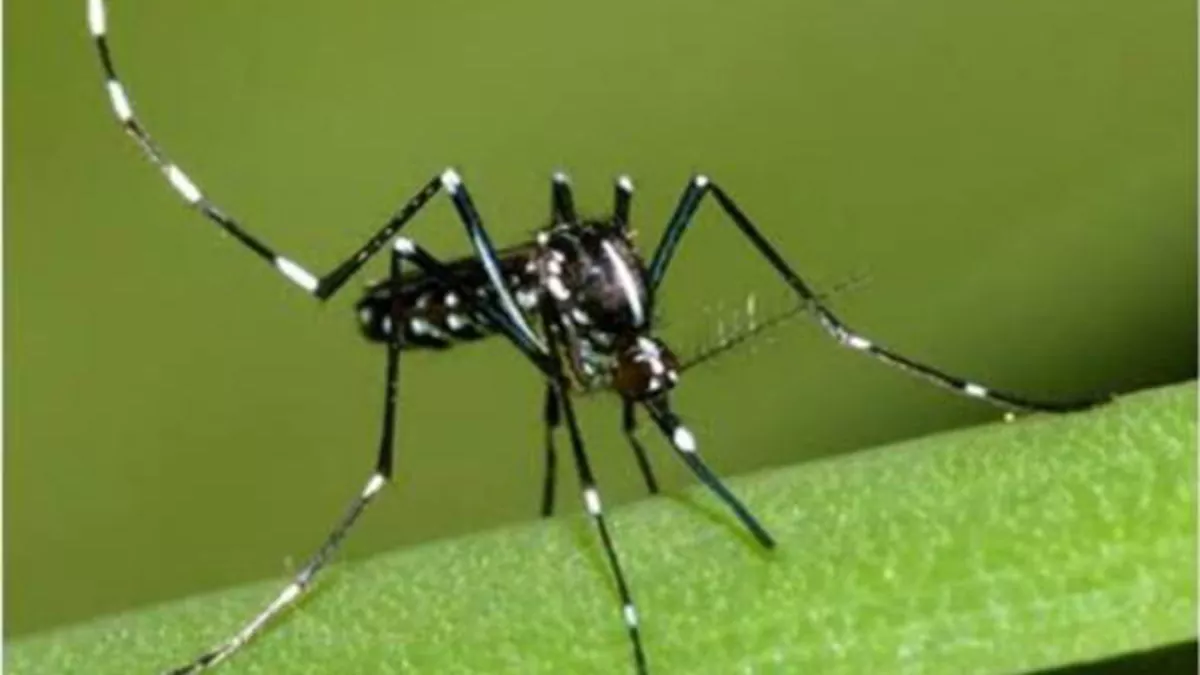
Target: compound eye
(632, 378)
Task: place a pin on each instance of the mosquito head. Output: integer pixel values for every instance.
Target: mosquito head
(645, 368)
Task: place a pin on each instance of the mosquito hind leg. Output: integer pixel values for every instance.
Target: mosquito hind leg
(375, 483)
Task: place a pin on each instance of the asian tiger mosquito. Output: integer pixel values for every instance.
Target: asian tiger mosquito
(577, 302)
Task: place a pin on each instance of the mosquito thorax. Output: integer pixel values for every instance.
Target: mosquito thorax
(593, 277)
(594, 283)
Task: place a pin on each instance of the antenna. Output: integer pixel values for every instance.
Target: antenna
(745, 331)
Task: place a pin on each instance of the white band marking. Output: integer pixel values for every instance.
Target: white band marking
(591, 499)
(297, 274)
(120, 102)
(972, 389)
(289, 594)
(683, 439)
(631, 617)
(856, 342)
(182, 184)
(97, 21)
(374, 485)
(451, 180)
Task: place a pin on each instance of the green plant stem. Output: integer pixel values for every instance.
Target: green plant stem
(1000, 549)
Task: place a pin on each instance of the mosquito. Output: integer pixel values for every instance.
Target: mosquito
(577, 301)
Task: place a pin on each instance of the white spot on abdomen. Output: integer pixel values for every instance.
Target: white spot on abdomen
(557, 288)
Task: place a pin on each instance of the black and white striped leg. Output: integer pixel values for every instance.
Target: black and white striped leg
(551, 419)
(700, 186)
(321, 287)
(595, 509)
(379, 478)
(629, 427)
(684, 444)
(486, 252)
(622, 198)
(591, 500)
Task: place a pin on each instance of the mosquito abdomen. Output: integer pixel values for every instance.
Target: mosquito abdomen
(428, 313)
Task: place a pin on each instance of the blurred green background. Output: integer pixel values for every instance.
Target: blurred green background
(1018, 179)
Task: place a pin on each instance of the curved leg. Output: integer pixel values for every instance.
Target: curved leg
(379, 478)
(700, 186)
(325, 286)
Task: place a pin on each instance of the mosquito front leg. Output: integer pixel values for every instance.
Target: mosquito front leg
(700, 187)
(592, 504)
(684, 444)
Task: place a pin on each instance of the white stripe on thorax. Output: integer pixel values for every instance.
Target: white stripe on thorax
(626, 280)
